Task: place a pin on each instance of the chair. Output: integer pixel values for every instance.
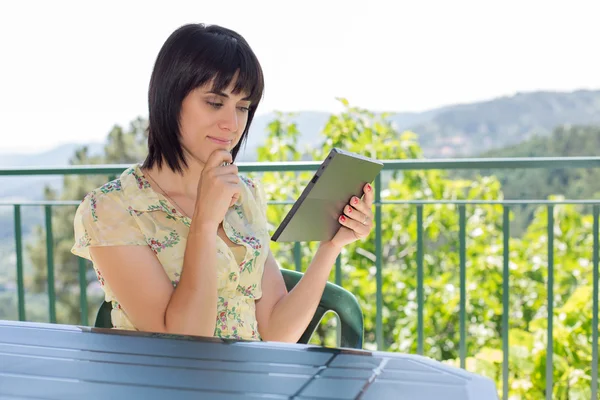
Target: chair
(334, 298)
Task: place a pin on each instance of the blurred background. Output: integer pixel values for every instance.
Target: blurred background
(396, 80)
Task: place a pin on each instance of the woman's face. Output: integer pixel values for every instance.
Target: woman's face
(212, 121)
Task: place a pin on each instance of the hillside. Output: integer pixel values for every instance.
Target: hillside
(465, 129)
(469, 129)
(452, 131)
(572, 183)
(565, 141)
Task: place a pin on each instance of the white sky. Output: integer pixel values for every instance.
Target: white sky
(69, 71)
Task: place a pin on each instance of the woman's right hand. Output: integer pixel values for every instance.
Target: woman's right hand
(218, 189)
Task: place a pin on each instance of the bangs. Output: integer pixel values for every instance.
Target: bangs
(221, 68)
(197, 55)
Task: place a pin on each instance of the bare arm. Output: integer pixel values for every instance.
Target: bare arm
(285, 316)
(147, 295)
(140, 283)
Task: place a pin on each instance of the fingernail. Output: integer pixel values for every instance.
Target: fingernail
(369, 187)
(349, 210)
(342, 218)
(355, 200)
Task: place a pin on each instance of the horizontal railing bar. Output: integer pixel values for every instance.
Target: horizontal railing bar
(42, 203)
(489, 202)
(412, 164)
(385, 202)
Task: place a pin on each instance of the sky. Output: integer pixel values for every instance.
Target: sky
(70, 70)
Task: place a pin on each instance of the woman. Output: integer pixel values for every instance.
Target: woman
(180, 243)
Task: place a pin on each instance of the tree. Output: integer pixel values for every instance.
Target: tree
(122, 147)
(361, 131)
(573, 183)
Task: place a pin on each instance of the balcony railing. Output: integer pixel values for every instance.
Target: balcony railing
(395, 165)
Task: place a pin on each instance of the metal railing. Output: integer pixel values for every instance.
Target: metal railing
(393, 165)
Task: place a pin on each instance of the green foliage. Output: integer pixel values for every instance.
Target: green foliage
(364, 132)
(572, 328)
(121, 147)
(572, 183)
(361, 131)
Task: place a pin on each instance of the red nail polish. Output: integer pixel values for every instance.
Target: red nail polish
(349, 210)
(355, 200)
(369, 187)
(342, 218)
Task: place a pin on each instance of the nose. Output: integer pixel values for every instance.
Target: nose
(229, 120)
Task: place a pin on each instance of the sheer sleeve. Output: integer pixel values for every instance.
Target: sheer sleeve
(104, 220)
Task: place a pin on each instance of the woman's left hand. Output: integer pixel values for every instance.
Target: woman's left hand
(356, 219)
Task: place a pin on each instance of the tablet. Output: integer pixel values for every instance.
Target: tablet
(314, 216)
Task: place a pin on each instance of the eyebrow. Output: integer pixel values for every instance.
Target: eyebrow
(223, 94)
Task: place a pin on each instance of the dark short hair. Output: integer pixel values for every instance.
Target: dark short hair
(192, 56)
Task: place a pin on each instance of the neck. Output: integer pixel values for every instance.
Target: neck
(176, 184)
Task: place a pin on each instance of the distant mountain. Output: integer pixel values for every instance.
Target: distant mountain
(310, 124)
(31, 187)
(572, 183)
(57, 156)
(468, 129)
(452, 131)
(565, 141)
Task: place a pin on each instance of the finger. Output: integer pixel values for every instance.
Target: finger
(231, 180)
(236, 192)
(360, 229)
(234, 197)
(231, 169)
(362, 206)
(218, 157)
(355, 214)
(369, 195)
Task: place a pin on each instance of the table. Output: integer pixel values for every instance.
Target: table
(51, 361)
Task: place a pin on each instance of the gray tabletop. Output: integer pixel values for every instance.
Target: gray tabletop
(49, 361)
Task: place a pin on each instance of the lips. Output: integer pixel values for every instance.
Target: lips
(225, 142)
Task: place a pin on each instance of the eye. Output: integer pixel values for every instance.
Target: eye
(244, 109)
(214, 105)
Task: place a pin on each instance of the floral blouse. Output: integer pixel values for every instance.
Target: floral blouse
(127, 211)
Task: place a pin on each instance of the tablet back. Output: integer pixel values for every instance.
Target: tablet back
(314, 216)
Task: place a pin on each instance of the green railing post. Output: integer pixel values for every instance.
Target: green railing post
(19, 251)
(595, 283)
(50, 264)
(505, 298)
(398, 165)
(420, 281)
(550, 300)
(378, 265)
(297, 256)
(83, 290)
(463, 283)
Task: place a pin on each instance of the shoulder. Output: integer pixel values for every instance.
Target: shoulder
(104, 219)
(102, 200)
(109, 200)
